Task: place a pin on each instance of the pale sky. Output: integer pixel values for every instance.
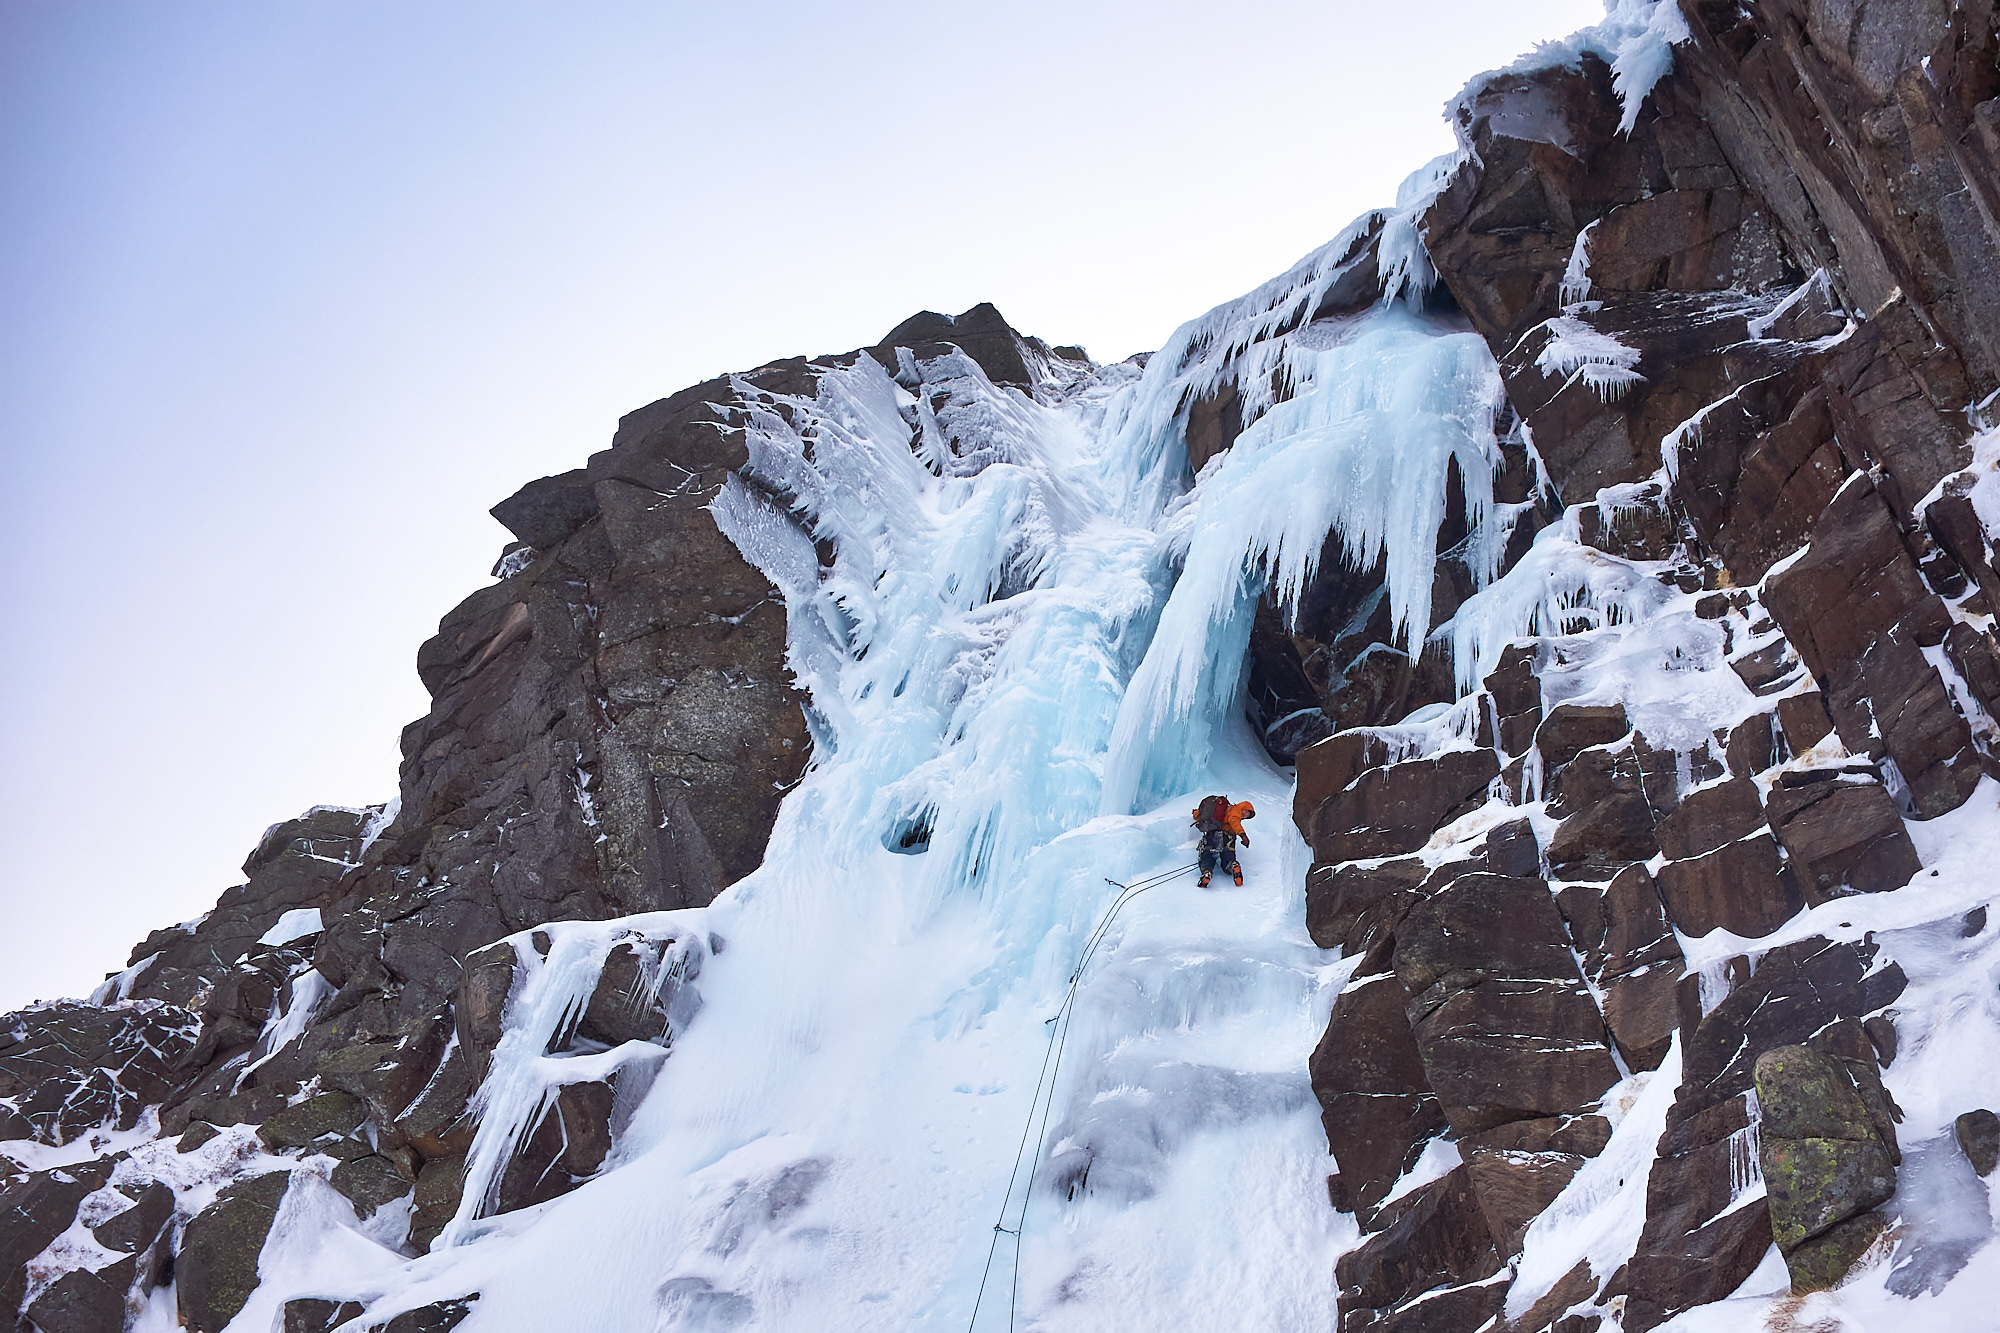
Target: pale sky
(291, 293)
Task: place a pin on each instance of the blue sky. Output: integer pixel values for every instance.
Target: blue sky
(291, 293)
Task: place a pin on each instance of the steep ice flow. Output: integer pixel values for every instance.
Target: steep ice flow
(1385, 404)
(1020, 626)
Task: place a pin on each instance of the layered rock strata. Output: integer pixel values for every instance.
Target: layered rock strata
(1789, 258)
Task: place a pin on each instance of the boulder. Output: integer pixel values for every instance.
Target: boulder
(1377, 1108)
(1767, 668)
(329, 1113)
(1823, 1161)
(1978, 1134)
(1514, 1188)
(369, 1182)
(1394, 809)
(1846, 1043)
(1438, 1239)
(81, 1301)
(1582, 907)
(216, 1268)
(1739, 887)
(631, 999)
(440, 1184)
(1817, 1182)
(1614, 832)
(140, 1225)
(310, 1314)
(1842, 836)
(1511, 849)
(1570, 729)
(1504, 1024)
(1348, 907)
(1803, 720)
(1753, 743)
(1822, 1261)
(1641, 1012)
(1711, 817)
(1881, 1033)
(1572, 1135)
(1636, 934)
(196, 1134)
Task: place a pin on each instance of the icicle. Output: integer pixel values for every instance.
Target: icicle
(1746, 1168)
(292, 1011)
(548, 997)
(1576, 278)
(1576, 352)
(1401, 259)
(1361, 453)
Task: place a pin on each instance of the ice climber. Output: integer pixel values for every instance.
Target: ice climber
(1221, 824)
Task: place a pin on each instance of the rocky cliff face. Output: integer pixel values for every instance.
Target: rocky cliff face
(1748, 335)
(1619, 824)
(613, 726)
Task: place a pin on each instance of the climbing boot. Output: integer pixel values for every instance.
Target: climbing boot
(1202, 883)
(1239, 879)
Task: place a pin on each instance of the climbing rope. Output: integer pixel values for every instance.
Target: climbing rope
(1046, 1080)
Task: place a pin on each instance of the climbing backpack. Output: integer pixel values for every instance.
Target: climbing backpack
(1208, 816)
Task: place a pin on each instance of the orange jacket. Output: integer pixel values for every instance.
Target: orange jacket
(1232, 821)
